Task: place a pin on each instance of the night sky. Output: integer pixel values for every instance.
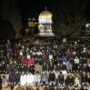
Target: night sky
(32, 8)
(87, 12)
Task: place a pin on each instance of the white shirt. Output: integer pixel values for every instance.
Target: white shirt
(76, 60)
(50, 57)
(64, 40)
(84, 49)
(37, 78)
(23, 80)
(30, 79)
(56, 74)
(74, 52)
(7, 77)
(21, 54)
(77, 81)
(28, 56)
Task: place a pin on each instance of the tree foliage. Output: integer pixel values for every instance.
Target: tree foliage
(70, 16)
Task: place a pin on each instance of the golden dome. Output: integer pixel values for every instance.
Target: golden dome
(45, 15)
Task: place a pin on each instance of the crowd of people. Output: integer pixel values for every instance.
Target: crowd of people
(60, 64)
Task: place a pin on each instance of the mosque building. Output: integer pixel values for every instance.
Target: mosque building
(45, 23)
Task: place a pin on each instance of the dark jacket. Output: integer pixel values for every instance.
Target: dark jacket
(61, 78)
(51, 77)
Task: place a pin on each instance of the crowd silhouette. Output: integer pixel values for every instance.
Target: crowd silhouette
(59, 64)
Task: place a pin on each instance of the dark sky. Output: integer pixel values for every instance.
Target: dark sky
(87, 12)
(32, 8)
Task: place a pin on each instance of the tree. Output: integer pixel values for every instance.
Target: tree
(70, 16)
(10, 13)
